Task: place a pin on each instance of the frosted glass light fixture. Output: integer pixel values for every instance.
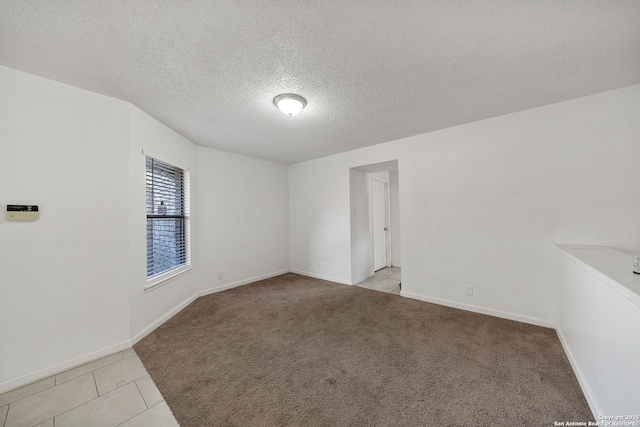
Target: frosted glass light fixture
(290, 103)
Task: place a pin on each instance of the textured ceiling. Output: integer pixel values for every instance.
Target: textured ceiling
(371, 70)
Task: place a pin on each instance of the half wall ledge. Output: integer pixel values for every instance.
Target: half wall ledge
(612, 267)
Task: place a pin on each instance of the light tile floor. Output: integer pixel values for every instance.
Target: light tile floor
(113, 391)
(384, 280)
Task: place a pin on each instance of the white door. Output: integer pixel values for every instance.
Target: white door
(380, 220)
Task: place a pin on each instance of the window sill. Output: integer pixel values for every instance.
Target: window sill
(167, 277)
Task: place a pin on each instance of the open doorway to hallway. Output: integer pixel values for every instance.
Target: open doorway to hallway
(375, 223)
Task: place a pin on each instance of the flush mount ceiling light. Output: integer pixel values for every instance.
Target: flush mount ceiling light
(290, 103)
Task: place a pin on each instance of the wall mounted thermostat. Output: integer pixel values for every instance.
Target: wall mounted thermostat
(22, 212)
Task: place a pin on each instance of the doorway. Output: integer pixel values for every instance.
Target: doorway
(375, 220)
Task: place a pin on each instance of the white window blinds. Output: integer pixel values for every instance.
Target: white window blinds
(166, 218)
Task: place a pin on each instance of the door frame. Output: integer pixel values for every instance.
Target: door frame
(387, 202)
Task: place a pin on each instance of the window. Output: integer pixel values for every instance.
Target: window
(167, 219)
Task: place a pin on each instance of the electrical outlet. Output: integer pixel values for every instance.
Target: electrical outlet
(469, 290)
(220, 275)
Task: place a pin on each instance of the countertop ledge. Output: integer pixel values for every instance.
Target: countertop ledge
(610, 266)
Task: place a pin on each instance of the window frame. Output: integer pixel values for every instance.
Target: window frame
(163, 277)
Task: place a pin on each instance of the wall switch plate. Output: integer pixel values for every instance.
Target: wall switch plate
(22, 212)
(220, 275)
(469, 290)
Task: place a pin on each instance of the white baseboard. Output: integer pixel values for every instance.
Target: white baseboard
(481, 310)
(89, 357)
(199, 294)
(582, 379)
(240, 283)
(168, 315)
(61, 367)
(322, 277)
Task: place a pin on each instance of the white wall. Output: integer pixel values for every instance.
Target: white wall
(64, 295)
(600, 329)
(243, 212)
(150, 309)
(481, 203)
(72, 283)
(394, 195)
(361, 239)
(319, 220)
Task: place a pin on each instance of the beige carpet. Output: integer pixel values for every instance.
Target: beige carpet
(296, 351)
